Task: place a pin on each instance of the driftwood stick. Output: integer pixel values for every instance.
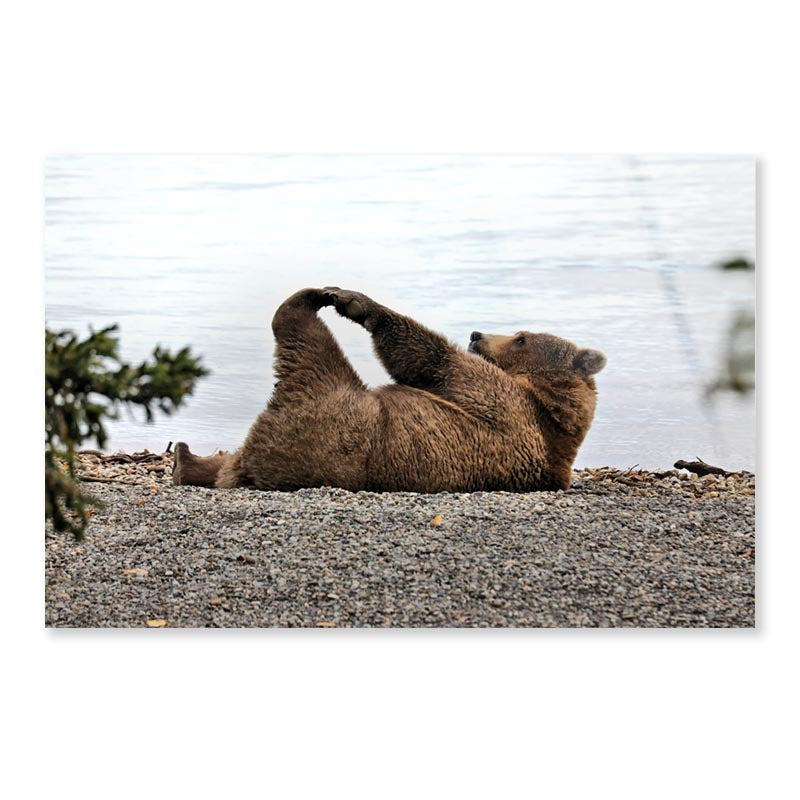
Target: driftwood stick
(90, 479)
(136, 458)
(700, 467)
(141, 458)
(117, 458)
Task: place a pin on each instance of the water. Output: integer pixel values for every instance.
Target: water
(610, 252)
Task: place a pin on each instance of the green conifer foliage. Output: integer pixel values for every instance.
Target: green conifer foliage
(85, 385)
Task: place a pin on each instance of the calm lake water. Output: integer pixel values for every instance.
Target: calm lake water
(611, 252)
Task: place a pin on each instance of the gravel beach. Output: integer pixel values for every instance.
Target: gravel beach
(633, 549)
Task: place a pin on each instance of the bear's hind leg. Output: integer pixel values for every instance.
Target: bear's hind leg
(192, 470)
(232, 474)
(308, 359)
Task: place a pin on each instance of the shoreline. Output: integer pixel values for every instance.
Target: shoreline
(619, 549)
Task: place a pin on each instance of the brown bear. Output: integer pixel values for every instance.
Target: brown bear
(509, 415)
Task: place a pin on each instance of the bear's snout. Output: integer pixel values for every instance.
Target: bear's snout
(475, 335)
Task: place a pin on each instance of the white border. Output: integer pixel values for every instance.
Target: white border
(390, 714)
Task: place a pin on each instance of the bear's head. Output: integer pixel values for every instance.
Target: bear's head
(558, 377)
(534, 354)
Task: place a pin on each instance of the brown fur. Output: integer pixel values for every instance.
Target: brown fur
(508, 416)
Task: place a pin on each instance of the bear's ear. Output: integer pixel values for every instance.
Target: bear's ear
(589, 361)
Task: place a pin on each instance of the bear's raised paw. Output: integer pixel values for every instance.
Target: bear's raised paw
(352, 305)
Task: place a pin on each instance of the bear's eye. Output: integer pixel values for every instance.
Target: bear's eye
(520, 340)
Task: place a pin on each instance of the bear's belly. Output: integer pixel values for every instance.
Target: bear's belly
(425, 444)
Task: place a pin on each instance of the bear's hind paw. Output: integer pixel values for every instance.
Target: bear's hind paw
(182, 455)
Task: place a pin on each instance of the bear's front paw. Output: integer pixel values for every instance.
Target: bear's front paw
(352, 305)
